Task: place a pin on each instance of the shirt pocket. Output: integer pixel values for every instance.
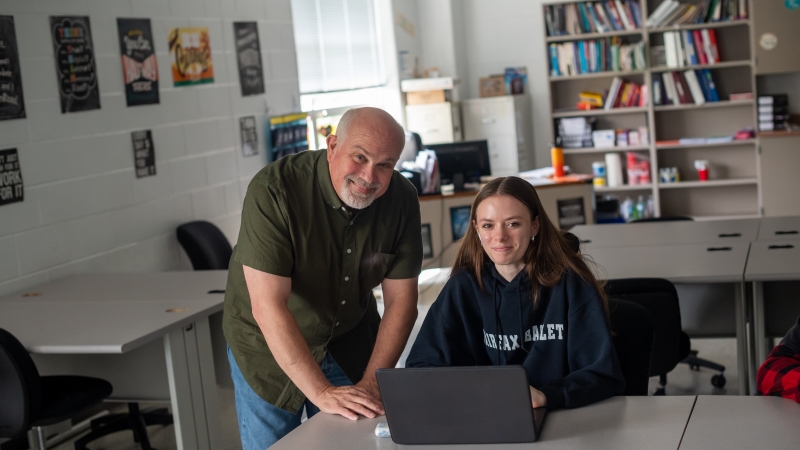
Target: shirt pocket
(374, 267)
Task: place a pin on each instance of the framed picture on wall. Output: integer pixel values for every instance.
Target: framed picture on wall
(427, 243)
(459, 221)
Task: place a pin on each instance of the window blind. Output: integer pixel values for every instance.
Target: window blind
(337, 45)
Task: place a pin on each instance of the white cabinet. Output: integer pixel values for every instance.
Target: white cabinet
(505, 122)
(436, 123)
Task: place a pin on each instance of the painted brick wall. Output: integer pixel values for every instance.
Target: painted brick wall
(84, 208)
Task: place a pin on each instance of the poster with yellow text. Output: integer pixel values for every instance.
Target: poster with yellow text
(190, 50)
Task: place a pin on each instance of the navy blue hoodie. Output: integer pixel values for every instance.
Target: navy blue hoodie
(564, 343)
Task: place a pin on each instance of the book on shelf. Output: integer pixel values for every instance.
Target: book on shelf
(578, 18)
(595, 55)
(690, 47)
(696, 141)
(686, 87)
(625, 94)
(673, 12)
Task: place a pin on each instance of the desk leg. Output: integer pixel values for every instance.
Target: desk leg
(741, 338)
(759, 326)
(193, 387)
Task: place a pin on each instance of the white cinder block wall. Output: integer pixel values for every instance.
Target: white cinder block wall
(84, 208)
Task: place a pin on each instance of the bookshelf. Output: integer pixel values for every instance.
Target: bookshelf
(734, 187)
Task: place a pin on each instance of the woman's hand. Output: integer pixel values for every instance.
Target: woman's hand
(537, 398)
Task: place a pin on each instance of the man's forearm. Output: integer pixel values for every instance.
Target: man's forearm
(398, 320)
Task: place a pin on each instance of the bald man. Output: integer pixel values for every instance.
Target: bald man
(319, 230)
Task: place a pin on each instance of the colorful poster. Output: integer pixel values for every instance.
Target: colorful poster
(248, 56)
(75, 64)
(190, 49)
(12, 105)
(10, 177)
(144, 154)
(247, 129)
(139, 65)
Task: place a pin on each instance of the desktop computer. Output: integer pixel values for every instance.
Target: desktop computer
(462, 162)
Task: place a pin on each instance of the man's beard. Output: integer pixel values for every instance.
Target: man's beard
(357, 200)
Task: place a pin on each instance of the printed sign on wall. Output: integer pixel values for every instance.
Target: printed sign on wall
(12, 105)
(75, 64)
(247, 129)
(10, 177)
(248, 56)
(139, 65)
(144, 154)
(190, 49)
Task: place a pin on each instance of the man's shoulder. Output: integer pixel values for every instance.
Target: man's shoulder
(289, 170)
(401, 190)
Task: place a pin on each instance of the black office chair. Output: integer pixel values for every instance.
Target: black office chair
(30, 401)
(671, 344)
(207, 247)
(632, 328)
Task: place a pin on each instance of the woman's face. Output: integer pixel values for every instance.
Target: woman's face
(505, 229)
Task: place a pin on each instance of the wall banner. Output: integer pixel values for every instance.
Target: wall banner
(75, 63)
(144, 154)
(11, 190)
(247, 129)
(139, 64)
(248, 56)
(12, 105)
(190, 50)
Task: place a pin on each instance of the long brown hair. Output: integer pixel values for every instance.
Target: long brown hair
(547, 257)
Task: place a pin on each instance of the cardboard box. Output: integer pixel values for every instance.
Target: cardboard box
(425, 97)
(492, 86)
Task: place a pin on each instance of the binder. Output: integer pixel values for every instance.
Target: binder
(694, 87)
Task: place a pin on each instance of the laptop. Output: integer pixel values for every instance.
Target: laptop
(459, 405)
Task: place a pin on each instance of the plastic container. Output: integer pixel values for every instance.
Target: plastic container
(557, 159)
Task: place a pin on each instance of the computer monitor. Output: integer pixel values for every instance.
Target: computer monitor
(462, 162)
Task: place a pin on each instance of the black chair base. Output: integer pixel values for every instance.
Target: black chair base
(696, 363)
(134, 420)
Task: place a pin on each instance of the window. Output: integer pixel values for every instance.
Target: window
(337, 44)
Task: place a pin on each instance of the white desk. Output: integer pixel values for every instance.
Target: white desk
(686, 263)
(618, 423)
(116, 313)
(718, 232)
(779, 228)
(734, 422)
(770, 261)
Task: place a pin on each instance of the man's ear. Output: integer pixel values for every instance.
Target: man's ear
(333, 143)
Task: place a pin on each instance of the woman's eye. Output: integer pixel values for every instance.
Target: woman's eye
(513, 224)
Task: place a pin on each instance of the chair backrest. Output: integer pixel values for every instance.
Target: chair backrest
(660, 298)
(632, 327)
(20, 387)
(207, 247)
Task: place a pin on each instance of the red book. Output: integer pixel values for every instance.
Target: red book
(629, 13)
(698, 46)
(617, 101)
(682, 87)
(712, 38)
(637, 91)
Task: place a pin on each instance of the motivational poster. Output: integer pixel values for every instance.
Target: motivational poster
(12, 106)
(139, 65)
(75, 63)
(248, 56)
(190, 50)
(10, 177)
(247, 129)
(144, 154)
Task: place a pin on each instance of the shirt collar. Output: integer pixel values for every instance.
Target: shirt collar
(325, 184)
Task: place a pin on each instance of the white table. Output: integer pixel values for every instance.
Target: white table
(117, 313)
(719, 232)
(686, 263)
(734, 422)
(770, 261)
(618, 423)
(779, 228)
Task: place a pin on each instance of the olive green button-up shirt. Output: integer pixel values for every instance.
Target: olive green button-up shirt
(294, 225)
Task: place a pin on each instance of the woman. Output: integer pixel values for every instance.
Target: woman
(520, 294)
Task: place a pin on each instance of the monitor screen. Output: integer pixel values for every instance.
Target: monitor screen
(462, 162)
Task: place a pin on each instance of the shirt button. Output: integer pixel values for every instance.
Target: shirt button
(346, 278)
(344, 301)
(351, 223)
(337, 324)
(349, 251)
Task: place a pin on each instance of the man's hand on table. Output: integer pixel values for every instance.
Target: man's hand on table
(348, 401)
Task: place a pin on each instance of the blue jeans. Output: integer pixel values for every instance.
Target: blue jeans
(260, 423)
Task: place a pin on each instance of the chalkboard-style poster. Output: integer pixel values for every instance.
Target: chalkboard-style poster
(12, 106)
(190, 50)
(10, 177)
(139, 65)
(247, 128)
(248, 56)
(144, 154)
(75, 64)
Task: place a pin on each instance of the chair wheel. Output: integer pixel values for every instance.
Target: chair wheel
(718, 381)
(695, 368)
(659, 391)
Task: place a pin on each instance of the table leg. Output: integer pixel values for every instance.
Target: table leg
(741, 338)
(759, 326)
(193, 387)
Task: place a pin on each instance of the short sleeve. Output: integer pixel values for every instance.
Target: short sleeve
(264, 239)
(408, 262)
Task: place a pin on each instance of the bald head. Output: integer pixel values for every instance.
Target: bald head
(372, 121)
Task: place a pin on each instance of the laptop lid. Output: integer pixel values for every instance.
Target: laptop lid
(459, 405)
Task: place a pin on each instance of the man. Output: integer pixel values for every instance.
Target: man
(319, 231)
(780, 373)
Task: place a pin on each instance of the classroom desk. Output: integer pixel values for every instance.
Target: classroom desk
(654, 423)
(690, 264)
(779, 228)
(734, 422)
(117, 313)
(774, 269)
(662, 233)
